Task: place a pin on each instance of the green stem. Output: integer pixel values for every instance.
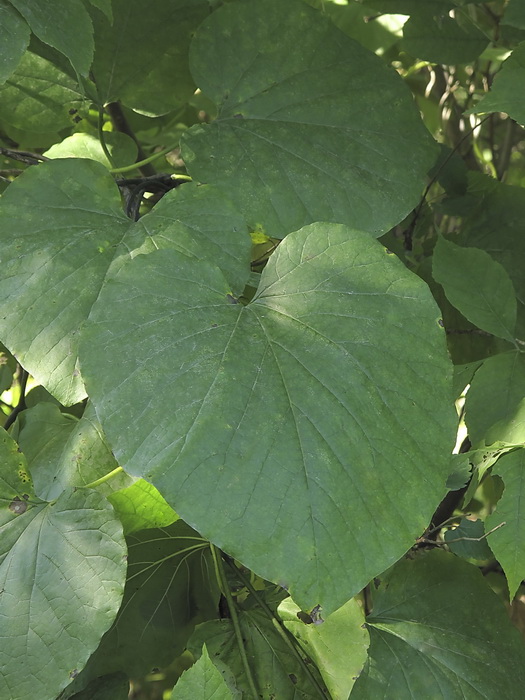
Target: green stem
(223, 582)
(281, 630)
(140, 163)
(101, 137)
(103, 479)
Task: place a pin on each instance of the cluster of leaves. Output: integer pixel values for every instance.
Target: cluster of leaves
(252, 253)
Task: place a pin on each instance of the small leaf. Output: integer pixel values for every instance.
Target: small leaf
(475, 546)
(508, 541)
(443, 39)
(203, 681)
(62, 571)
(338, 646)
(495, 403)
(503, 96)
(476, 285)
(438, 631)
(140, 507)
(121, 147)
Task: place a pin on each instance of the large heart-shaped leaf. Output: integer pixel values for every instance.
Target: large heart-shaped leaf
(62, 571)
(323, 132)
(61, 227)
(438, 631)
(300, 419)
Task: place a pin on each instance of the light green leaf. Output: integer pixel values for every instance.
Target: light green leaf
(508, 542)
(443, 39)
(63, 451)
(60, 223)
(142, 57)
(503, 96)
(275, 669)
(474, 546)
(478, 286)
(202, 223)
(325, 337)
(202, 681)
(14, 39)
(495, 402)
(64, 26)
(438, 631)
(38, 96)
(338, 646)
(62, 571)
(170, 589)
(140, 506)
(122, 148)
(303, 135)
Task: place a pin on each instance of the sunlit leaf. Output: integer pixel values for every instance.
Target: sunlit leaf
(202, 682)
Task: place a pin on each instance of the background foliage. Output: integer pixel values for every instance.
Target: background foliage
(262, 377)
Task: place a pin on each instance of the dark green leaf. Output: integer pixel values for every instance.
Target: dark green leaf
(478, 286)
(14, 39)
(438, 631)
(514, 14)
(474, 546)
(326, 338)
(64, 26)
(503, 96)
(508, 541)
(443, 39)
(303, 135)
(141, 58)
(495, 403)
(202, 681)
(62, 570)
(461, 472)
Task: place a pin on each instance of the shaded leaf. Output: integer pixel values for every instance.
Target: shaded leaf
(201, 682)
(141, 58)
(62, 571)
(476, 285)
(302, 136)
(111, 687)
(38, 96)
(438, 631)
(460, 473)
(326, 338)
(170, 588)
(503, 96)
(473, 547)
(514, 14)
(275, 669)
(495, 403)
(14, 39)
(64, 26)
(508, 542)
(443, 39)
(338, 646)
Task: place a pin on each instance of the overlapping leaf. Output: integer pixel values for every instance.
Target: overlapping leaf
(141, 57)
(303, 135)
(62, 571)
(478, 286)
(294, 419)
(61, 227)
(507, 542)
(203, 681)
(438, 631)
